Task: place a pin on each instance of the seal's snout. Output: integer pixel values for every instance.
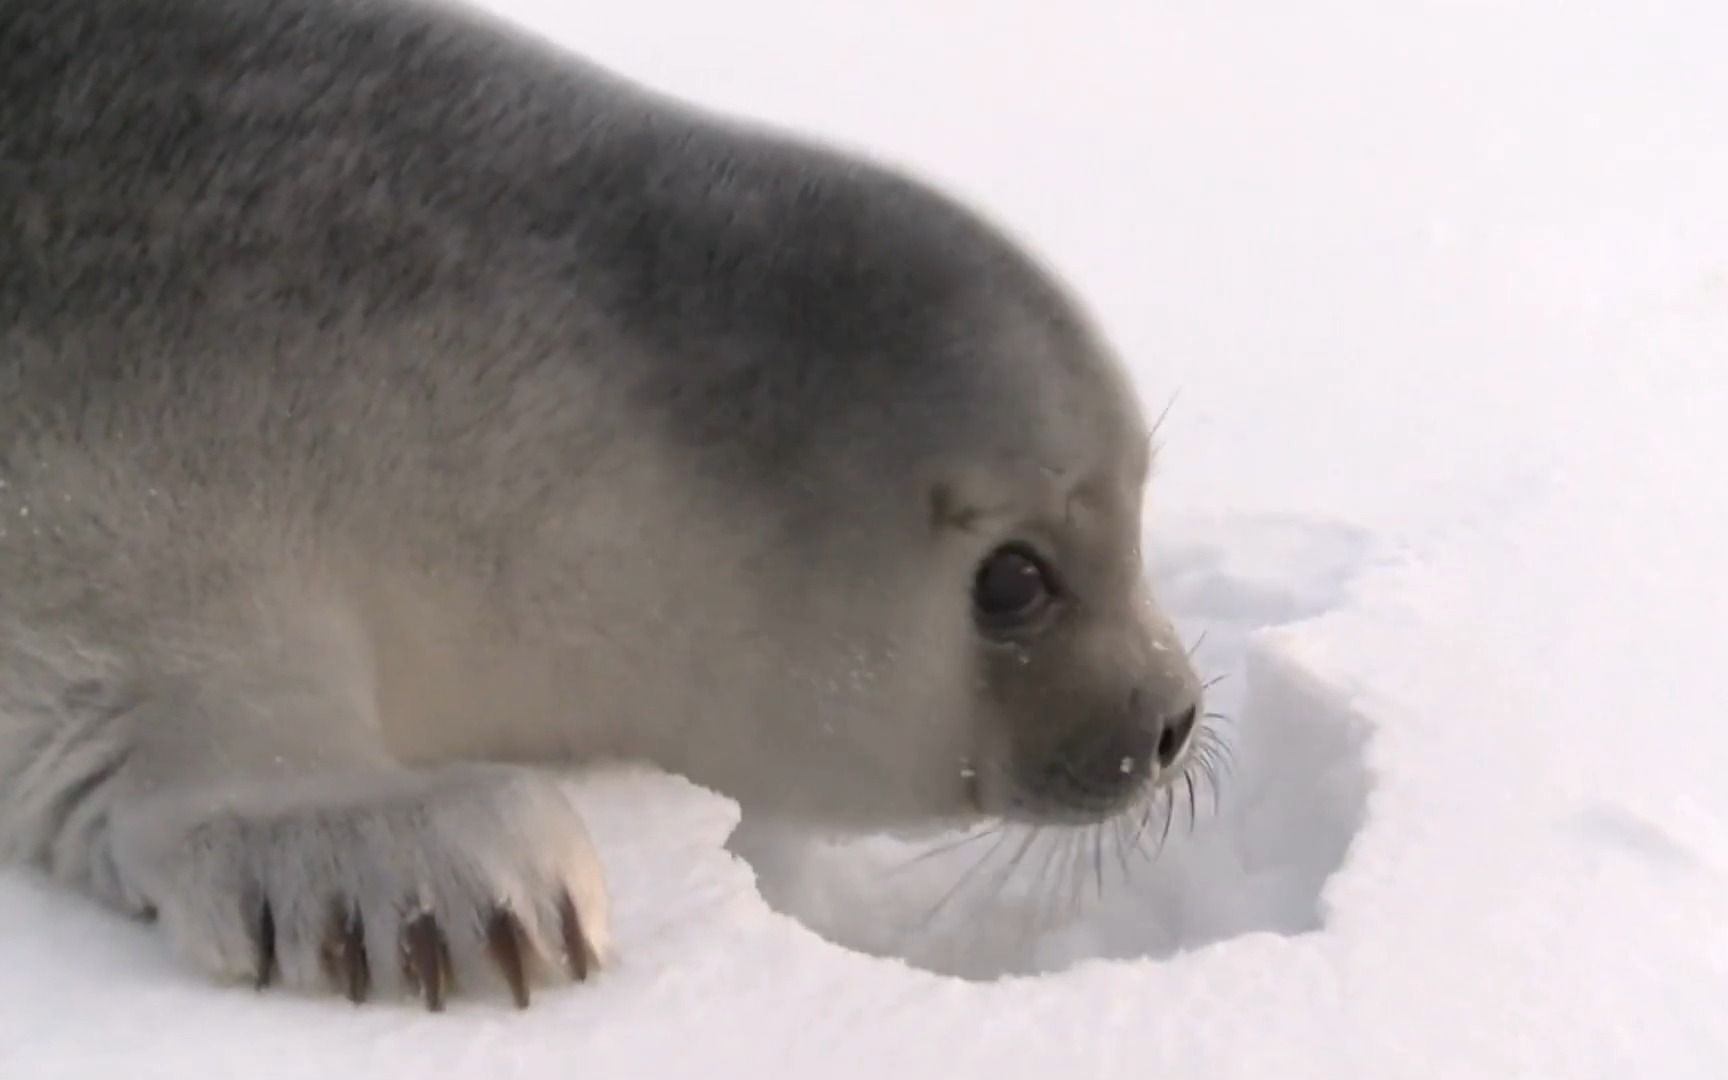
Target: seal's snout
(1108, 766)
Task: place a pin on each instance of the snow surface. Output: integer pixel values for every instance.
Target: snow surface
(1444, 290)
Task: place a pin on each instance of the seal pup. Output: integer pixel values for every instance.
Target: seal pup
(395, 410)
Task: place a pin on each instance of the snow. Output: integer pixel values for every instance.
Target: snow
(1443, 288)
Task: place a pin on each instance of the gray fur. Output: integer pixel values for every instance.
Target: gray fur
(383, 393)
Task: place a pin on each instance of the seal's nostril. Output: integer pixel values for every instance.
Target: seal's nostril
(1175, 736)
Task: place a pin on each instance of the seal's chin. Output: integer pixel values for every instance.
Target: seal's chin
(1069, 805)
(1053, 796)
(1056, 792)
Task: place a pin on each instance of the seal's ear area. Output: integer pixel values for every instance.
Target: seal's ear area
(977, 500)
(948, 511)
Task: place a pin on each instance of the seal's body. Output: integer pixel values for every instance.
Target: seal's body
(391, 406)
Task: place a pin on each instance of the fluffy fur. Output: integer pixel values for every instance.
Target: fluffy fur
(391, 406)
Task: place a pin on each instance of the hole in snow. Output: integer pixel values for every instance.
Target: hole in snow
(1254, 858)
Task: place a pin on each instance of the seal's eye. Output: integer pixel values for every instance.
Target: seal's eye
(1011, 587)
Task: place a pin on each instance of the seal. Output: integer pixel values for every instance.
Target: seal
(396, 412)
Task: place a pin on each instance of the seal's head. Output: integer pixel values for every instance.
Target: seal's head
(942, 469)
(1083, 697)
(1019, 597)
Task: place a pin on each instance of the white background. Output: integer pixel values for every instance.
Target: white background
(1444, 290)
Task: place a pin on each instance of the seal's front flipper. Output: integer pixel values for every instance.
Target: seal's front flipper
(255, 807)
(471, 879)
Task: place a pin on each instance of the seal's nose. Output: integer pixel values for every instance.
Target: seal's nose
(1124, 755)
(1173, 735)
(1162, 731)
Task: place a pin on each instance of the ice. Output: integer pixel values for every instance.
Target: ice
(1442, 292)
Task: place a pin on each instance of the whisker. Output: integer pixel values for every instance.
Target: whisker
(1028, 920)
(1220, 755)
(947, 846)
(1076, 869)
(1119, 823)
(1158, 423)
(960, 882)
(1169, 814)
(1153, 446)
(1145, 818)
(1001, 879)
(1098, 857)
(1043, 906)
